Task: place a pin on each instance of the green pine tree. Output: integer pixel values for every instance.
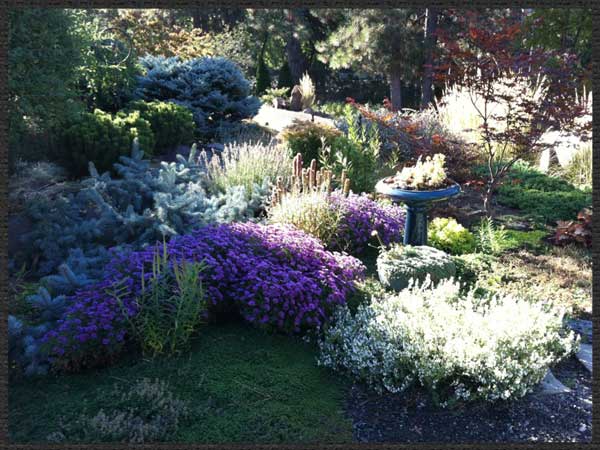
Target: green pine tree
(263, 78)
(380, 41)
(285, 76)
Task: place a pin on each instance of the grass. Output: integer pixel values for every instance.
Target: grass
(241, 384)
(533, 240)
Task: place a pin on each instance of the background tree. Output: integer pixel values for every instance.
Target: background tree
(519, 94)
(561, 29)
(382, 41)
(160, 32)
(429, 42)
(45, 51)
(263, 78)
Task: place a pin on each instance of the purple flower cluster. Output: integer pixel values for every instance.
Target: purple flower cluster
(276, 276)
(362, 216)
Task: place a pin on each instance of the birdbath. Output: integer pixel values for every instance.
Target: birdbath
(417, 204)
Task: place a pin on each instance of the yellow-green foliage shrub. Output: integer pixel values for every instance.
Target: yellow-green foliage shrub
(307, 138)
(101, 138)
(171, 124)
(446, 234)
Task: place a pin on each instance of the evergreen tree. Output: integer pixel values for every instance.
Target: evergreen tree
(380, 41)
(285, 76)
(263, 78)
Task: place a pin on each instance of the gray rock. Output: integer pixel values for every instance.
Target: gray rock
(280, 103)
(584, 355)
(550, 385)
(296, 99)
(582, 327)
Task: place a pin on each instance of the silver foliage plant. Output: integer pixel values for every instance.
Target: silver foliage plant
(459, 347)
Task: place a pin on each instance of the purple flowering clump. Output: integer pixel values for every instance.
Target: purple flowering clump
(361, 216)
(277, 277)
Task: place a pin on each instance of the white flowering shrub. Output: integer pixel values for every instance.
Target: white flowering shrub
(459, 347)
(402, 263)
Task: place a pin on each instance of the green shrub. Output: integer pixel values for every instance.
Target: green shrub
(307, 138)
(171, 124)
(516, 239)
(272, 93)
(284, 78)
(169, 307)
(263, 77)
(398, 265)
(456, 345)
(357, 154)
(491, 239)
(337, 110)
(137, 127)
(470, 266)
(107, 76)
(446, 234)
(101, 138)
(544, 197)
(44, 54)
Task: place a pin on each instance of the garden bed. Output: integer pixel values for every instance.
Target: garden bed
(190, 264)
(538, 417)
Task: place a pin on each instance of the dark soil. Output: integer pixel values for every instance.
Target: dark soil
(467, 209)
(411, 417)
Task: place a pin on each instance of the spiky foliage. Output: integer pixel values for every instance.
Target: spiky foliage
(140, 205)
(306, 180)
(307, 89)
(245, 165)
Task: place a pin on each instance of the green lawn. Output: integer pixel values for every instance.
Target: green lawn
(240, 384)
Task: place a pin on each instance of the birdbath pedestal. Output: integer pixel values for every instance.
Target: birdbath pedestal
(417, 206)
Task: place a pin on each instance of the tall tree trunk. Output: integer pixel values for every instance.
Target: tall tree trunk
(429, 46)
(296, 59)
(396, 87)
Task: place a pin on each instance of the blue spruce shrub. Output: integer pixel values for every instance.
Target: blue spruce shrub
(78, 234)
(138, 206)
(214, 89)
(48, 305)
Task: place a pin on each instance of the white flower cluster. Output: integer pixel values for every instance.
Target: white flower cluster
(428, 174)
(459, 347)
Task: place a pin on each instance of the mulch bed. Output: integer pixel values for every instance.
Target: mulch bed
(411, 417)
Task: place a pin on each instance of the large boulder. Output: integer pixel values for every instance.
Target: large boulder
(401, 263)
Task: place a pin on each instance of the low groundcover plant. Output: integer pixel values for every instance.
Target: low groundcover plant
(458, 346)
(277, 277)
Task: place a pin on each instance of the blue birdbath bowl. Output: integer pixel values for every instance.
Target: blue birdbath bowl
(417, 205)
